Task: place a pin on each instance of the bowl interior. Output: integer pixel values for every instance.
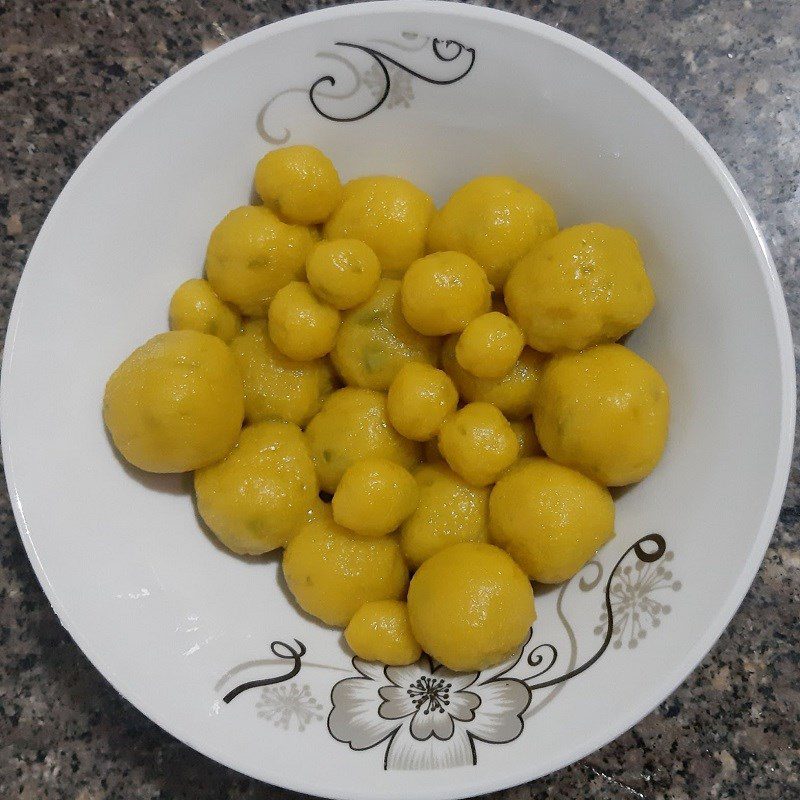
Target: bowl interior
(162, 610)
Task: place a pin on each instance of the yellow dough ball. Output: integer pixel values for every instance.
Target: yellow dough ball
(470, 606)
(276, 387)
(550, 519)
(375, 341)
(175, 404)
(443, 292)
(262, 491)
(513, 393)
(195, 307)
(449, 512)
(526, 436)
(584, 286)
(381, 631)
(332, 572)
(353, 425)
(389, 214)
(604, 412)
(478, 443)
(374, 496)
(419, 399)
(495, 220)
(300, 182)
(300, 326)
(343, 272)
(489, 346)
(252, 254)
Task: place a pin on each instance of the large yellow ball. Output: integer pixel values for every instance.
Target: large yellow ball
(332, 572)
(495, 220)
(277, 387)
(375, 341)
(470, 606)
(389, 214)
(251, 254)
(353, 425)
(175, 404)
(584, 286)
(550, 519)
(604, 412)
(266, 487)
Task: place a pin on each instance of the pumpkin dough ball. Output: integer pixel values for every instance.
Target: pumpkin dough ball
(353, 425)
(490, 346)
(381, 631)
(332, 572)
(419, 399)
(389, 214)
(251, 254)
(478, 443)
(449, 511)
(550, 519)
(195, 307)
(276, 387)
(262, 491)
(175, 404)
(374, 496)
(604, 412)
(300, 182)
(443, 292)
(343, 272)
(300, 326)
(470, 606)
(584, 286)
(495, 220)
(375, 341)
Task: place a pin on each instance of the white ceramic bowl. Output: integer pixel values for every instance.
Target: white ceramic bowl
(438, 93)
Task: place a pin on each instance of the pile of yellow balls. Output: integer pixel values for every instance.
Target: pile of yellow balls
(428, 391)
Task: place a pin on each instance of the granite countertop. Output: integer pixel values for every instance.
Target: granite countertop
(70, 68)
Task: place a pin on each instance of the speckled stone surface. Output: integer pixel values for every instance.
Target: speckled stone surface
(70, 68)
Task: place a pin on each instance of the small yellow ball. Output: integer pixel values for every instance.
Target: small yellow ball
(478, 443)
(604, 412)
(495, 220)
(195, 307)
(353, 425)
(381, 631)
(513, 393)
(300, 182)
(584, 286)
(374, 496)
(449, 512)
(419, 399)
(332, 572)
(251, 254)
(443, 292)
(375, 341)
(550, 519)
(300, 326)
(277, 387)
(470, 606)
(175, 404)
(262, 491)
(389, 214)
(489, 346)
(343, 272)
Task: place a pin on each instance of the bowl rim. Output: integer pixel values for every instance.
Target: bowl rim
(646, 702)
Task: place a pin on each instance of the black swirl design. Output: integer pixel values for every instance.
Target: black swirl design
(447, 51)
(648, 549)
(281, 650)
